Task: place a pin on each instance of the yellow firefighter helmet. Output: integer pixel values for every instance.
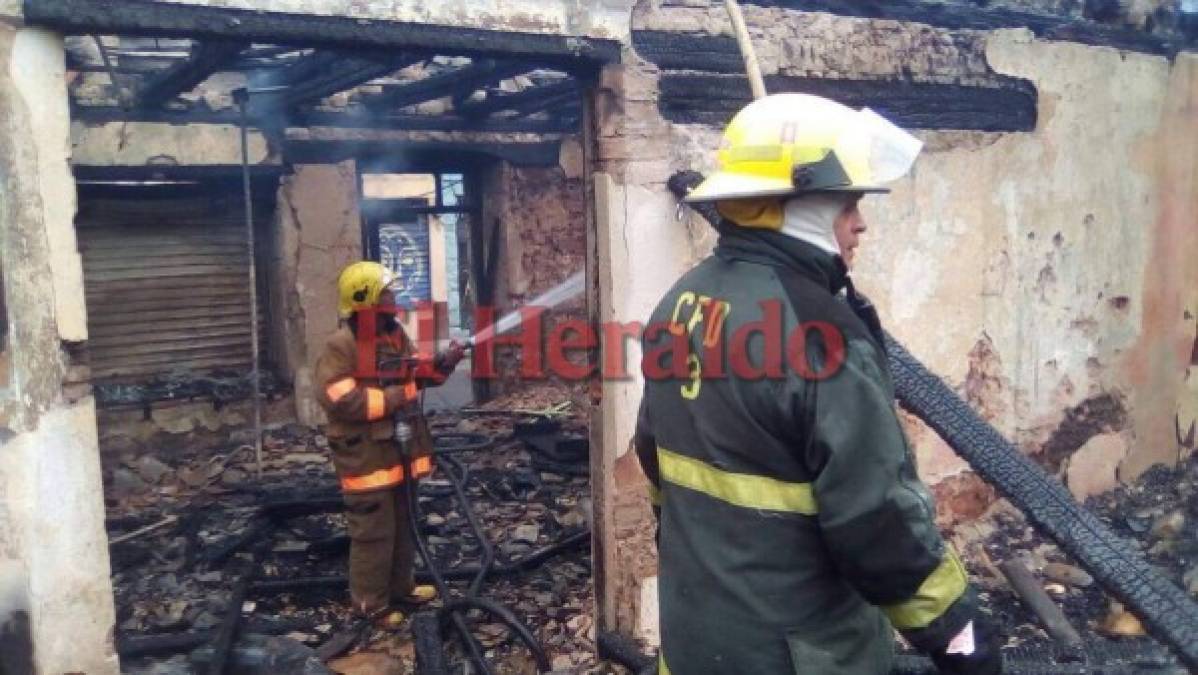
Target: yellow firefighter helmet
(360, 286)
(791, 144)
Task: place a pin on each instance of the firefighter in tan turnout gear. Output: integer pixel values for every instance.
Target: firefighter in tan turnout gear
(794, 533)
(366, 387)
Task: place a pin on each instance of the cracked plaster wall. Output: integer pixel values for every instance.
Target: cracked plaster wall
(153, 144)
(318, 233)
(56, 611)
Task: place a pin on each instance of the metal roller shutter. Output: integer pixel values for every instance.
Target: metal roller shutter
(166, 286)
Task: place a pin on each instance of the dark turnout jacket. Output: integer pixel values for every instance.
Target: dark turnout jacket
(794, 531)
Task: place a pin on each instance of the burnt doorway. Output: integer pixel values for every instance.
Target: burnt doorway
(195, 535)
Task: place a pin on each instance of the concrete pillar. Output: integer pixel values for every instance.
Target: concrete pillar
(56, 609)
(319, 233)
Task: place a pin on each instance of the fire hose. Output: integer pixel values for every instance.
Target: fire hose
(1167, 612)
(427, 632)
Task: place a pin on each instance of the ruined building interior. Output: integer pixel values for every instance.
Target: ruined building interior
(168, 166)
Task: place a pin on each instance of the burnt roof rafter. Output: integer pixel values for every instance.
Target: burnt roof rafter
(162, 19)
(459, 82)
(101, 114)
(526, 102)
(324, 73)
(206, 58)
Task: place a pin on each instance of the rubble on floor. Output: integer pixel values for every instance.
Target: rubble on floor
(220, 387)
(182, 534)
(1157, 512)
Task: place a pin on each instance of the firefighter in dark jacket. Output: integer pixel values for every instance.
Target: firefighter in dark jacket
(362, 403)
(794, 533)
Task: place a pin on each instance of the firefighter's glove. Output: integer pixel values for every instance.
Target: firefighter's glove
(451, 357)
(973, 651)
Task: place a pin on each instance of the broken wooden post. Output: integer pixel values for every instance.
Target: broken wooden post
(1036, 599)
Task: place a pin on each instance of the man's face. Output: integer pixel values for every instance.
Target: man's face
(848, 228)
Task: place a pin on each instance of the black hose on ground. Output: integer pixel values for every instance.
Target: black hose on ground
(1121, 569)
(621, 649)
(473, 649)
(458, 481)
(452, 612)
(505, 615)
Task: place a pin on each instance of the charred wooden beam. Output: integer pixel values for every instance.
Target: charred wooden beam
(1037, 600)
(464, 80)
(323, 74)
(206, 58)
(425, 156)
(184, 172)
(162, 19)
(713, 100)
(689, 51)
(325, 118)
(524, 102)
(566, 99)
(972, 16)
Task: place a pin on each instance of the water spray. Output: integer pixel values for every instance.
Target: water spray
(561, 293)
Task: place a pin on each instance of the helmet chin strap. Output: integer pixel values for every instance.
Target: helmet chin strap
(812, 218)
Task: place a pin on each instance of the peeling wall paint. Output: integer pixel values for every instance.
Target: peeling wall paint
(37, 70)
(56, 597)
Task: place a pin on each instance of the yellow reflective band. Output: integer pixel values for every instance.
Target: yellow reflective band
(662, 668)
(376, 404)
(739, 489)
(340, 389)
(936, 594)
(654, 495)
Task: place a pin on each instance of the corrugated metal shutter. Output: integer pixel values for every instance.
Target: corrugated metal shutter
(404, 248)
(166, 286)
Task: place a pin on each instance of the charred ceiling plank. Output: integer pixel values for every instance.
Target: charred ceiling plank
(183, 172)
(354, 120)
(206, 58)
(325, 73)
(460, 81)
(326, 118)
(711, 99)
(688, 51)
(974, 16)
(389, 156)
(524, 102)
(163, 19)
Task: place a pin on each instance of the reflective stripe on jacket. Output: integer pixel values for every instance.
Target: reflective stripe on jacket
(361, 408)
(794, 531)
